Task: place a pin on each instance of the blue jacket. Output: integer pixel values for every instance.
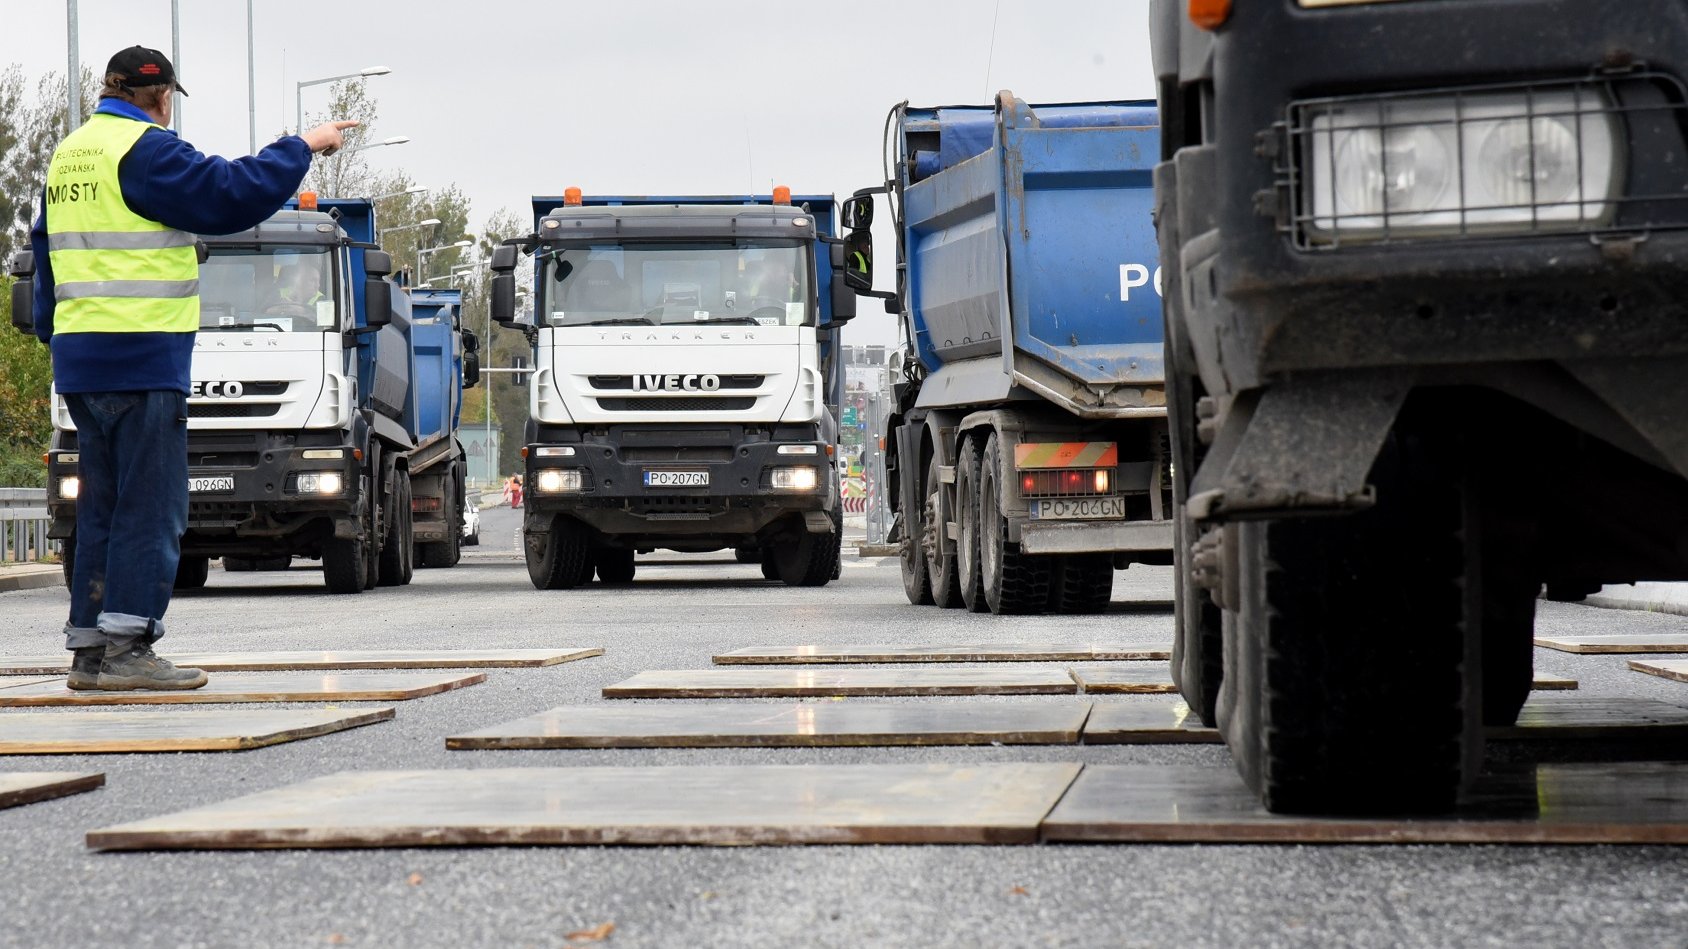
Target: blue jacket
(164, 179)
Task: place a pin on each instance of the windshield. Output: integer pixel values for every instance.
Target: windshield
(747, 282)
(267, 290)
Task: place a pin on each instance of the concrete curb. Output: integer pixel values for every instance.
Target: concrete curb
(1651, 597)
(31, 577)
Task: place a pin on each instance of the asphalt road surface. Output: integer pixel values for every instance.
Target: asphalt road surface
(57, 893)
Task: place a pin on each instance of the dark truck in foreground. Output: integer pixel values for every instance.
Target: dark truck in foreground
(1426, 289)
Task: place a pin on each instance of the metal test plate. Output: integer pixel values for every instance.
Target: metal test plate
(736, 805)
(259, 687)
(27, 787)
(334, 659)
(1112, 677)
(765, 683)
(1010, 652)
(803, 724)
(130, 731)
(1640, 803)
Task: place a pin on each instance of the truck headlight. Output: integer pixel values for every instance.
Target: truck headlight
(319, 482)
(1522, 160)
(70, 487)
(800, 478)
(557, 480)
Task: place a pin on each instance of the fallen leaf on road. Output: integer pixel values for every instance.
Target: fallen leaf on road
(595, 934)
(415, 879)
(335, 939)
(1019, 891)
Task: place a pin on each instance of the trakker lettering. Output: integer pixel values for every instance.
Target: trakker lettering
(692, 383)
(218, 390)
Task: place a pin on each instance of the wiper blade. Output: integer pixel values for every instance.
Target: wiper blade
(624, 321)
(739, 320)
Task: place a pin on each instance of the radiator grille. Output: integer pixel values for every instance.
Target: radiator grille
(683, 404)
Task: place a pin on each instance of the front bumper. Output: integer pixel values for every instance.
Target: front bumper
(738, 503)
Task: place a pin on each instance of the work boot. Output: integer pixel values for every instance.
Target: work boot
(85, 668)
(138, 667)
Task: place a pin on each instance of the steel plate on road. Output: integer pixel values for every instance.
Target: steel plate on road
(1078, 509)
(211, 485)
(676, 479)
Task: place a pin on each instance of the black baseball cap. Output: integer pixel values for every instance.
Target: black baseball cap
(140, 66)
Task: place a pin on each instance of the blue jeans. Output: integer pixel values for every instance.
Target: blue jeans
(130, 513)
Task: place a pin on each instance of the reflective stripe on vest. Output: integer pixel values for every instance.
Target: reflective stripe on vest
(114, 271)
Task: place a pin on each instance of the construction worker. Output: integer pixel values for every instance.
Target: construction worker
(117, 297)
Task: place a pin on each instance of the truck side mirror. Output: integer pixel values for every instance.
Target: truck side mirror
(471, 369)
(504, 258)
(377, 302)
(471, 342)
(858, 213)
(858, 260)
(377, 263)
(504, 298)
(843, 298)
(23, 291)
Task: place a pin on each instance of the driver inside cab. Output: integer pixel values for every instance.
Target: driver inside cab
(298, 290)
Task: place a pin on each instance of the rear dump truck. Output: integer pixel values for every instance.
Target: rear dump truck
(1029, 456)
(1426, 287)
(685, 383)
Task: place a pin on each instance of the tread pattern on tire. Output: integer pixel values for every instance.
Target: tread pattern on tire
(813, 559)
(1081, 584)
(969, 577)
(560, 558)
(1019, 583)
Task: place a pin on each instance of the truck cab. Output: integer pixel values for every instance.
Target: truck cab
(685, 384)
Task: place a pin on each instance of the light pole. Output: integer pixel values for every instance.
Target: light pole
(395, 140)
(422, 255)
(251, 89)
(398, 194)
(299, 91)
(428, 222)
(73, 34)
(175, 60)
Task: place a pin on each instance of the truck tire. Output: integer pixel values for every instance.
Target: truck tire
(448, 552)
(346, 562)
(1509, 653)
(67, 559)
(940, 566)
(1013, 582)
(1561, 591)
(396, 566)
(808, 562)
(560, 558)
(192, 572)
(917, 587)
(1344, 690)
(770, 564)
(1081, 584)
(968, 575)
(747, 554)
(615, 565)
(1198, 640)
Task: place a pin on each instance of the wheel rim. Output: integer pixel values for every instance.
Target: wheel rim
(967, 546)
(989, 527)
(929, 541)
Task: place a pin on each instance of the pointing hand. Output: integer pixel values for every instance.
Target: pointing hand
(326, 139)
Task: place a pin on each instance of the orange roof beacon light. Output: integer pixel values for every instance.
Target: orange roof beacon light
(571, 197)
(307, 200)
(782, 194)
(1210, 14)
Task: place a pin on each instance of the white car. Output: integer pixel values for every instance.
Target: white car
(471, 525)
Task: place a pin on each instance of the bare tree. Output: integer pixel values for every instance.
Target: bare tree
(29, 131)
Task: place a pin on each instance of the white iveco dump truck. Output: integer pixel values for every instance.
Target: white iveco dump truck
(685, 385)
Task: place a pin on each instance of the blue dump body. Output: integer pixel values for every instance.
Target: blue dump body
(437, 401)
(1032, 224)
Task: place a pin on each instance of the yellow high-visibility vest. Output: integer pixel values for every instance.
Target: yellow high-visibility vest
(113, 270)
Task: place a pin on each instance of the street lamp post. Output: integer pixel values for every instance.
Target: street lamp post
(299, 91)
(399, 194)
(422, 255)
(395, 140)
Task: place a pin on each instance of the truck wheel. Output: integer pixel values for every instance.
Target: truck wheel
(1570, 591)
(239, 564)
(448, 552)
(615, 565)
(808, 562)
(1344, 689)
(1509, 653)
(560, 558)
(396, 567)
(1013, 582)
(770, 564)
(1081, 584)
(940, 567)
(917, 587)
(968, 575)
(747, 554)
(346, 563)
(192, 572)
(67, 558)
(1198, 641)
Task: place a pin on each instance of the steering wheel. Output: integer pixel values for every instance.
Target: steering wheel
(289, 308)
(767, 312)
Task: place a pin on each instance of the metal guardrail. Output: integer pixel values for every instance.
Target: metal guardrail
(23, 525)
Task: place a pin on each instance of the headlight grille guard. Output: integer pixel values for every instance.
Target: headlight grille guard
(1649, 110)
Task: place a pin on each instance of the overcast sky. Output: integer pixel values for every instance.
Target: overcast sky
(618, 96)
